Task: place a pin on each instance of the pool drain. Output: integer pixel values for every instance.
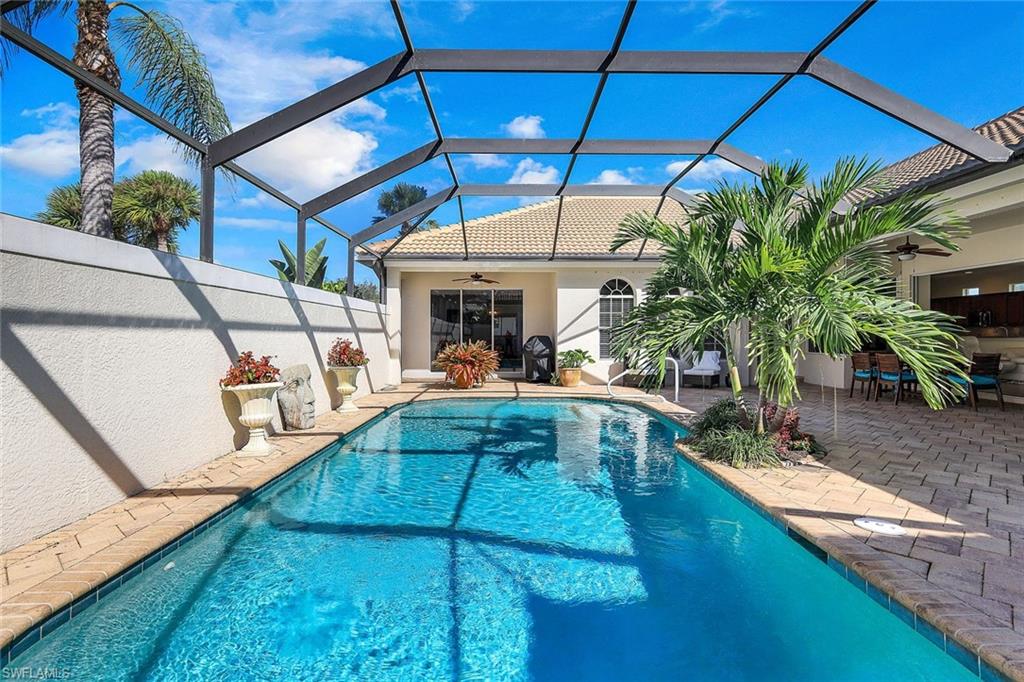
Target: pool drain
(879, 526)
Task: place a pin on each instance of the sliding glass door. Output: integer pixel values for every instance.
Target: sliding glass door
(494, 316)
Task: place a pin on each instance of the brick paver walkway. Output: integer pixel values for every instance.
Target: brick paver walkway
(953, 478)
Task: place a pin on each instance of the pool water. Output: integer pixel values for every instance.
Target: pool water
(494, 540)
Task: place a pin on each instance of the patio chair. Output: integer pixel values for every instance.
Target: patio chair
(865, 372)
(705, 364)
(892, 374)
(984, 376)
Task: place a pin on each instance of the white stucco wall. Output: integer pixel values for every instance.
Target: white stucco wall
(111, 355)
(578, 311)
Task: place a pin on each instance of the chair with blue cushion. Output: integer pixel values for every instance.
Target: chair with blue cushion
(984, 376)
(892, 374)
(864, 372)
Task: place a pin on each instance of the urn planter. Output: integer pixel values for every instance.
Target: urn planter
(570, 376)
(346, 386)
(255, 400)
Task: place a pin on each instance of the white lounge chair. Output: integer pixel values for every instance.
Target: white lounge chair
(706, 364)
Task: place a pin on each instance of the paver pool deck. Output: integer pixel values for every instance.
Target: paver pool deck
(954, 479)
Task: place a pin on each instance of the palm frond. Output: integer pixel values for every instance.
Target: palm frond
(27, 17)
(174, 72)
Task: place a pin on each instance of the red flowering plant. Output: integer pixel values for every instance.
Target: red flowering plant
(249, 370)
(468, 364)
(344, 354)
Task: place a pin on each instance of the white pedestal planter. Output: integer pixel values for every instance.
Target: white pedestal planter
(346, 386)
(255, 400)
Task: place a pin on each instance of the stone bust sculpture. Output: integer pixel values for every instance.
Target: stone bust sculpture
(296, 398)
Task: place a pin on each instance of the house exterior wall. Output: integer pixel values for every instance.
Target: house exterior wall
(994, 208)
(559, 300)
(578, 292)
(111, 356)
(538, 308)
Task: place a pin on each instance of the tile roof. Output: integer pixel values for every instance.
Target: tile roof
(587, 227)
(942, 162)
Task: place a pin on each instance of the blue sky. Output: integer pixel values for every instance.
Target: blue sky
(965, 60)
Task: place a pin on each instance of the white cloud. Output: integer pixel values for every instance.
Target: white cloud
(611, 177)
(55, 113)
(51, 154)
(708, 169)
(366, 108)
(410, 93)
(265, 224)
(461, 9)
(155, 152)
(487, 161)
(313, 159)
(530, 172)
(524, 127)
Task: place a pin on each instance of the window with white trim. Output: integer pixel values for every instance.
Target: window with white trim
(615, 301)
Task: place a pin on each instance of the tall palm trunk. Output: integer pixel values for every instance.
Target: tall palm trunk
(96, 117)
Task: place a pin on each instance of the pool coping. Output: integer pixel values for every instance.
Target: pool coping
(937, 615)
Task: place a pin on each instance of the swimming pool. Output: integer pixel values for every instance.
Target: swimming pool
(493, 539)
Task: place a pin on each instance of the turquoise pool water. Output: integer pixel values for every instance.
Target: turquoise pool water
(493, 540)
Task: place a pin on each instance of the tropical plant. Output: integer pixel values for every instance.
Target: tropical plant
(64, 209)
(574, 359)
(740, 448)
(316, 264)
(468, 364)
(344, 354)
(364, 290)
(148, 209)
(721, 416)
(167, 64)
(802, 266)
(249, 370)
(155, 205)
(398, 198)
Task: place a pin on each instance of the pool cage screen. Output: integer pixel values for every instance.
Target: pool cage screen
(221, 154)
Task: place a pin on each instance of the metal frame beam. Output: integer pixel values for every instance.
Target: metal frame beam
(369, 180)
(907, 111)
(594, 61)
(309, 109)
(391, 222)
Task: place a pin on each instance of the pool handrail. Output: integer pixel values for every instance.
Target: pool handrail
(675, 364)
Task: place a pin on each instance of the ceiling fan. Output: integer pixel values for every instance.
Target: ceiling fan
(476, 278)
(910, 251)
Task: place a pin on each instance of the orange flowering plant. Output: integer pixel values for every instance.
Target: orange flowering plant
(249, 370)
(468, 363)
(344, 354)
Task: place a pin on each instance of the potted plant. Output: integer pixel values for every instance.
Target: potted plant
(254, 382)
(345, 361)
(468, 364)
(569, 364)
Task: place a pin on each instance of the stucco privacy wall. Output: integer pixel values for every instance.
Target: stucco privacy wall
(111, 355)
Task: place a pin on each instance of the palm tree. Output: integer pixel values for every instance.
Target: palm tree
(398, 198)
(166, 62)
(316, 264)
(799, 271)
(148, 209)
(153, 206)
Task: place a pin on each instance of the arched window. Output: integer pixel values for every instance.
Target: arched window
(615, 301)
